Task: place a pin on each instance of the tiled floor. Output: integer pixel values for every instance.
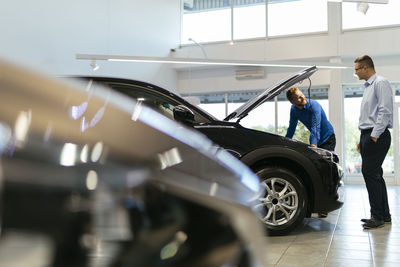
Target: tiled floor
(339, 239)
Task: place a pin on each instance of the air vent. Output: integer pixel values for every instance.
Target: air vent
(247, 74)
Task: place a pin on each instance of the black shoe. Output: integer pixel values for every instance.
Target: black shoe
(373, 223)
(322, 215)
(386, 220)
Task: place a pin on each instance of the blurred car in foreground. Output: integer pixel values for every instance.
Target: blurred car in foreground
(92, 178)
(299, 179)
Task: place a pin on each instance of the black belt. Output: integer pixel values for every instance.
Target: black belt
(366, 131)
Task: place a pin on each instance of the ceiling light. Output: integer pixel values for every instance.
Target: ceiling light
(200, 45)
(362, 7)
(200, 61)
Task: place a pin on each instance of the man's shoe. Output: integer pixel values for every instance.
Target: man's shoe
(387, 220)
(322, 215)
(373, 223)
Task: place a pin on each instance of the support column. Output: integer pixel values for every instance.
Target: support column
(336, 109)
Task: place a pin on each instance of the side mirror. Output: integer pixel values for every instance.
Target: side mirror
(183, 114)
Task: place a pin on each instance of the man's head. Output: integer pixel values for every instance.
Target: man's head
(364, 67)
(296, 97)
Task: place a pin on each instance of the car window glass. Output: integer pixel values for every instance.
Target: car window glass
(156, 100)
(151, 100)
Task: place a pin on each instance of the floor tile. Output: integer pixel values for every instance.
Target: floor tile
(348, 263)
(353, 254)
(339, 239)
(301, 260)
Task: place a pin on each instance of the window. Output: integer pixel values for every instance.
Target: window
(249, 20)
(295, 17)
(217, 20)
(214, 104)
(352, 102)
(377, 15)
(263, 117)
(206, 21)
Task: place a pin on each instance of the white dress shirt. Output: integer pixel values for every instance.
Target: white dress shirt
(376, 111)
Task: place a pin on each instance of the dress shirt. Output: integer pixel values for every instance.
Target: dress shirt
(313, 117)
(376, 111)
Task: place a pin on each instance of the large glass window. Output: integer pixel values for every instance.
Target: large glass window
(376, 15)
(215, 109)
(295, 17)
(218, 20)
(352, 102)
(206, 21)
(249, 19)
(263, 117)
(214, 104)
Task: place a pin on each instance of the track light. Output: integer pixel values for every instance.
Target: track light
(94, 65)
(199, 61)
(200, 45)
(362, 7)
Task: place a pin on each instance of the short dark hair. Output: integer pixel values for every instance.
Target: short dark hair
(290, 93)
(365, 60)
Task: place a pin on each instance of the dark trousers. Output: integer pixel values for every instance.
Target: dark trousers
(373, 155)
(329, 144)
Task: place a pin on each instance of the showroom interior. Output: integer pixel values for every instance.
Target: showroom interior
(218, 54)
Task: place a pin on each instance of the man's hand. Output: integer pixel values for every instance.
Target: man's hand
(358, 148)
(314, 145)
(374, 139)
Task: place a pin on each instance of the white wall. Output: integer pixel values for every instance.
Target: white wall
(47, 34)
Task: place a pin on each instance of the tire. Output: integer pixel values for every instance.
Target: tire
(283, 202)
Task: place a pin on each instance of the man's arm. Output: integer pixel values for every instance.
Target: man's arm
(384, 96)
(292, 124)
(315, 123)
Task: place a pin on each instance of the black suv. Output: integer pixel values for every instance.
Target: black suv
(90, 178)
(299, 179)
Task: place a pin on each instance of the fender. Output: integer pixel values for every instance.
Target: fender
(290, 154)
(278, 151)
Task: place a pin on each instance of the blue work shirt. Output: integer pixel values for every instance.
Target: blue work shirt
(376, 110)
(313, 117)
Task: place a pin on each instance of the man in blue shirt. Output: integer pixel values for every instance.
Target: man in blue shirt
(311, 114)
(376, 116)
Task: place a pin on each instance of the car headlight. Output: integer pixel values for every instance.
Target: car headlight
(326, 154)
(341, 174)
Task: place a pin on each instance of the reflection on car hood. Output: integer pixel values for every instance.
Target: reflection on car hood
(270, 93)
(89, 177)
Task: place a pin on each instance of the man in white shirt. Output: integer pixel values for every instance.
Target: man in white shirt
(376, 116)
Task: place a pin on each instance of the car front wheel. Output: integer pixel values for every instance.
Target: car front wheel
(282, 205)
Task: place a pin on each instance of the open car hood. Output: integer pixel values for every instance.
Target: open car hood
(270, 93)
